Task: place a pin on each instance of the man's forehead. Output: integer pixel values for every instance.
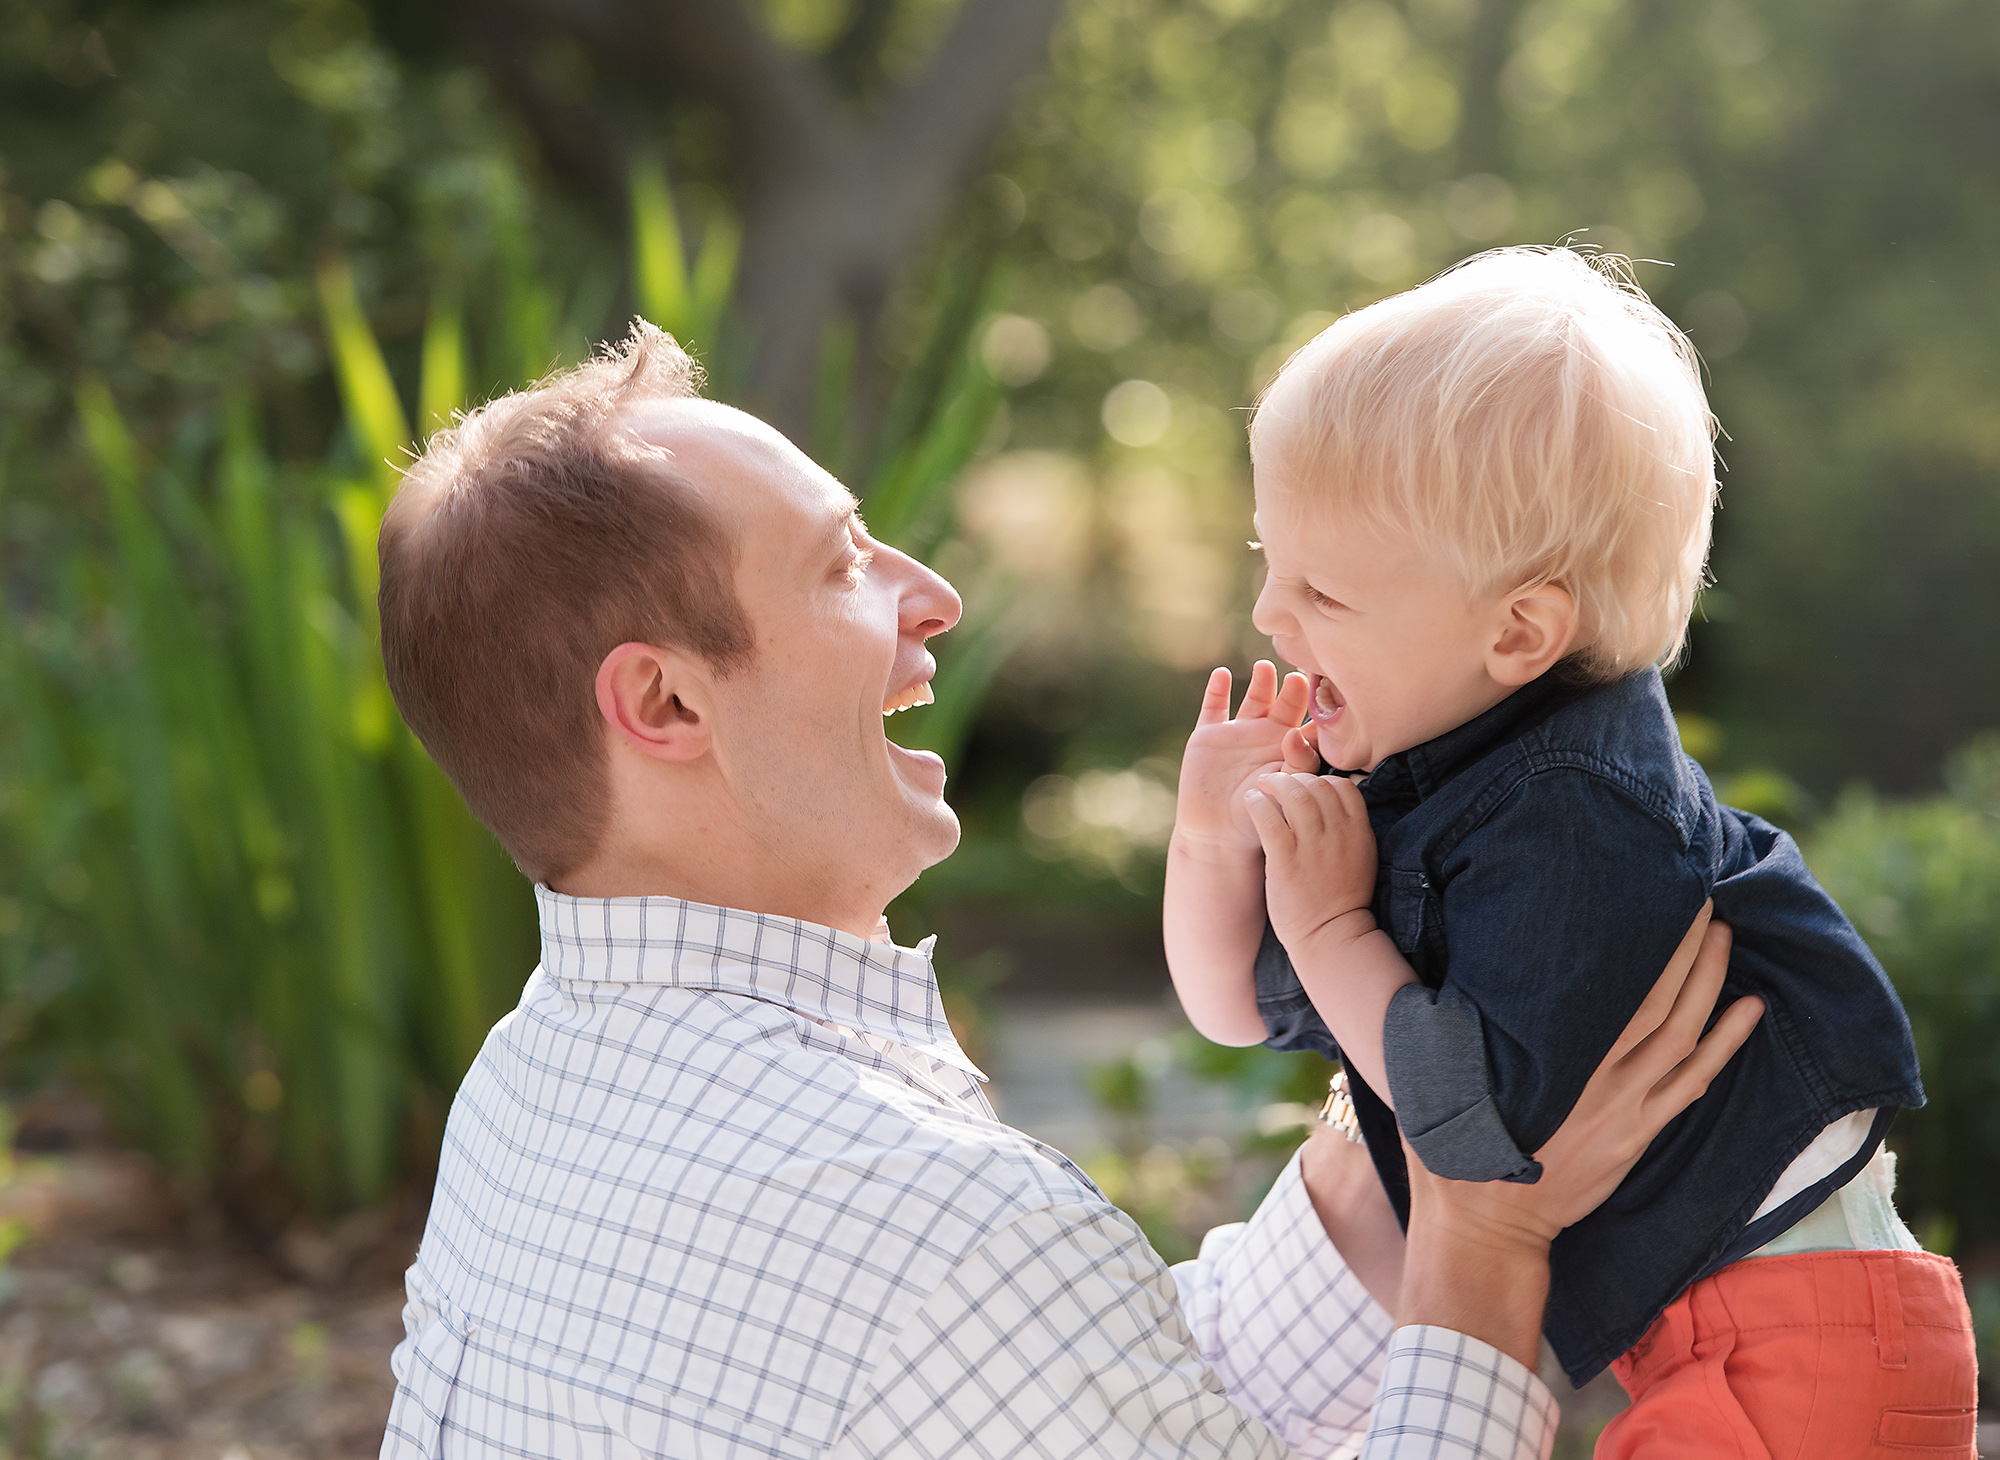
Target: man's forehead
(736, 460)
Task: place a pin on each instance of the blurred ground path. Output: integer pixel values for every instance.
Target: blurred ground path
(127, 1333)
(1042, 1052)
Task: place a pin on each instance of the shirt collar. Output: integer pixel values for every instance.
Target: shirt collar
(1413, 774)
(822, 973)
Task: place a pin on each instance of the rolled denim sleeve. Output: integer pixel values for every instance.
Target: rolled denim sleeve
(1559, 912)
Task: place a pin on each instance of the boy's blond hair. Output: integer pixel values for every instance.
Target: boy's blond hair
(1533, 417)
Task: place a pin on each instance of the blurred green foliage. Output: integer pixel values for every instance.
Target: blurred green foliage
(245, 908)
(1921, 879)
(1195, 188)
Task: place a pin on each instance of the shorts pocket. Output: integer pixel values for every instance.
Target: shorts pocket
(1949, 1430)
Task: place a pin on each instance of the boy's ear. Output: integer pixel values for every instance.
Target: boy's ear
(1537, 625)
(656, 701)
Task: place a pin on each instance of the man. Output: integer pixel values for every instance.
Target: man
(724, 1183)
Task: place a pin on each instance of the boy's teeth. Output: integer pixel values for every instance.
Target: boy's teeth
(1323, 697)
(916, 694)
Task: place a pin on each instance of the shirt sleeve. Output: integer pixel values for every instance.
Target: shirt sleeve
(1064, 1335)
(1559, 914)
(1446, 1396)
(1294, 1337)
(1058, 1337)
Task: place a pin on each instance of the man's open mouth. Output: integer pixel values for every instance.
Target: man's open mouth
(917, 694)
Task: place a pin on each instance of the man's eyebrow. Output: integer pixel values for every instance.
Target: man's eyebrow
(840, 527)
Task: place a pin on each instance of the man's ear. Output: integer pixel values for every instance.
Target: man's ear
(1537, 625)
(656, 701)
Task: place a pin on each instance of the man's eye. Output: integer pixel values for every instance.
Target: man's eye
(857, 566)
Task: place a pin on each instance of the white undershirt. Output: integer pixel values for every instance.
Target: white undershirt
(1831, 1149)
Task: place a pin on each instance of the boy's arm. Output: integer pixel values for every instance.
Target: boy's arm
(1319, 882)
(1213, 917)
(1212, 921)
(1557, 912)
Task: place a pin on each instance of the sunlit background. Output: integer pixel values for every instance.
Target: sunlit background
(1014, 269)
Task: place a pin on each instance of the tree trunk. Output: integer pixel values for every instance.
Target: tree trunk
(833, 208)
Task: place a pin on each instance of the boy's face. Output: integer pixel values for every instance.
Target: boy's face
(1396, 650)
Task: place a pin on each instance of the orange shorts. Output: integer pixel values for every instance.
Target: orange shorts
(1823, 1356)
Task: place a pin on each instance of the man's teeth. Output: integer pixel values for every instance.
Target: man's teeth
(916, 694)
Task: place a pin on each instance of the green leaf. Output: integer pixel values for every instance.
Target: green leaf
(441, 385)
(374, 411)
(659, 261)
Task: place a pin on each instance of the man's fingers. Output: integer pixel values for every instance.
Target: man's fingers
(1667, 988)
(1689, 1080)
(1214, 700)
(1696, 1000)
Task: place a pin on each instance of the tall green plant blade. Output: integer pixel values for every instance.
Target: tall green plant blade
(659, 260)
(441, 383)
(833, 395)
(374, 411)
(905, 503)
(714, 284)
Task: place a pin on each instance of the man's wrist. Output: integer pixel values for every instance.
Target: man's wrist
(1489, 1282)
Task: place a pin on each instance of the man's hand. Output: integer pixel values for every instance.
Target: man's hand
(1225, 756)
(1319, 859)
(1477, 1260)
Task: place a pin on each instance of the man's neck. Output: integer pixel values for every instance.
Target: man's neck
(611, 876)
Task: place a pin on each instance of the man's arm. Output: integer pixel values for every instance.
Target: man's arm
(1062, 1335)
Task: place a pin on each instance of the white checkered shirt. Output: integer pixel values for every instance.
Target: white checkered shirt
(724, 1186)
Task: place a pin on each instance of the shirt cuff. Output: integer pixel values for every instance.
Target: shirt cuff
(1291, 1332)
(1446, 1396)
(1434, 1048)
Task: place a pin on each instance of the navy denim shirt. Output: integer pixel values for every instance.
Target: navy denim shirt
(1539, 865)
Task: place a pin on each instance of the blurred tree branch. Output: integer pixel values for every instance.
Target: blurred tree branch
(834, 203)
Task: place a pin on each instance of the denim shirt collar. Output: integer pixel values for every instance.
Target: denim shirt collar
(1410, 776)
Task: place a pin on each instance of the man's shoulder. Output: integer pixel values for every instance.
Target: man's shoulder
(642, 1184)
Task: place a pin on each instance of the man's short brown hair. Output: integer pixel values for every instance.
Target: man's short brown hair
(525, 544)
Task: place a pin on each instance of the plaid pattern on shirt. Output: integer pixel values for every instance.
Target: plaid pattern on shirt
(724, 1185)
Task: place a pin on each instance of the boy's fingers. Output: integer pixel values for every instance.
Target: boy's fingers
(1263, 689)
(1346, 795)
(1273, 831)
(1214, 700)
(1293, 792)
(1299, 752)
(1291, 706)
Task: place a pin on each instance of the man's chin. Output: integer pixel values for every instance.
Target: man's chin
(937, 835)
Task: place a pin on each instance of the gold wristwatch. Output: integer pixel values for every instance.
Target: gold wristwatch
(1338, 1111)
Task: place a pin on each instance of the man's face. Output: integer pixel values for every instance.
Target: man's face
(1394, 646)
(839, 622)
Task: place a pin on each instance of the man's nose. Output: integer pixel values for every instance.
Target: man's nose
(930, 604)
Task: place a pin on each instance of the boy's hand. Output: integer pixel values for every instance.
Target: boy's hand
(1225, 756)
(1319, 857)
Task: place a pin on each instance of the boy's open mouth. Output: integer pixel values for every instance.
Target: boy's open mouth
(1326, 701)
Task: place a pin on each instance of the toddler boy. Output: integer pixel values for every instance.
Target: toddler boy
(1484, 505)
